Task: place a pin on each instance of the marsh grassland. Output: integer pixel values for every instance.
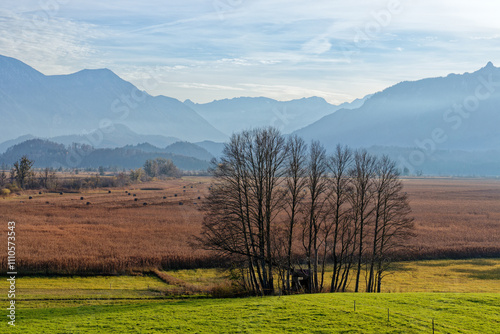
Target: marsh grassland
(115, 233)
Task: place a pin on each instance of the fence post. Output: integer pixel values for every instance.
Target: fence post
(432, 325)
(354, 306)
(388, 315)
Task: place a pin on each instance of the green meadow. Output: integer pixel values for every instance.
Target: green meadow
(460, 296)
(322, 313)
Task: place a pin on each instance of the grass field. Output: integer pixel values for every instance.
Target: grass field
(474, 275)
(116, 233)
(324, 313)
(443, 290)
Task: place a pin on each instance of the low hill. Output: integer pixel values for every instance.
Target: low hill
(49, 154)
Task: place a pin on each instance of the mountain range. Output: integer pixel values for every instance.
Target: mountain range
(428, 125)
(235, 115)
(86, 102)
(98, 107)
(456, 112)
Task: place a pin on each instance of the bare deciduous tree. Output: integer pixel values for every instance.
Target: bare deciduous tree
(339, 165)
(362, 174)
(245, 201)
(392, 223)
(317, 186)
(296, 183)
(275, 204)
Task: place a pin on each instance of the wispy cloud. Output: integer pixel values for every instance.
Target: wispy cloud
(211, 49)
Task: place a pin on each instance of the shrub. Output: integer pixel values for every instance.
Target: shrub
(13, 188)
(4, 192)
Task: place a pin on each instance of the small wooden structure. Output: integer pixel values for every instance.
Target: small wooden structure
(301, 279)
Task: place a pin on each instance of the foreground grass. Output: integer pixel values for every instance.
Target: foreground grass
(322, 313)
(146, 304)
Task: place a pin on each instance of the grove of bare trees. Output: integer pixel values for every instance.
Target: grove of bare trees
(293, 218)
(161, 167)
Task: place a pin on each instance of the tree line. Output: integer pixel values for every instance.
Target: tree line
(283, 211)
(23, 176)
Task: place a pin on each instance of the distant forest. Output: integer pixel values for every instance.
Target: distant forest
(188, 156)
(45, 153)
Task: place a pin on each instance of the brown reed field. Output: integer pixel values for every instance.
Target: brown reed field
(121, 233)
(455, 218)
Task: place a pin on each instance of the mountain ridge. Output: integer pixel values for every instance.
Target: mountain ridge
(236, 114)
(408, 113)
(48, 106)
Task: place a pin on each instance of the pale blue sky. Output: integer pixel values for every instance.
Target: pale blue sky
(215, 49)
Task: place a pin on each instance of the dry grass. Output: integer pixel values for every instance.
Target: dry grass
(455, 217)
(116, 234)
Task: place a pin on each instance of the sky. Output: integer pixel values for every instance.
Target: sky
(205, 50)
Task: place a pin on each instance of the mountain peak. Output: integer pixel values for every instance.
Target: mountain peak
(312, 99)
(489, 67)
(100, 72)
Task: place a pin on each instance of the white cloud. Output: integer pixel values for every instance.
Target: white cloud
(50, 44)
(277, 48)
